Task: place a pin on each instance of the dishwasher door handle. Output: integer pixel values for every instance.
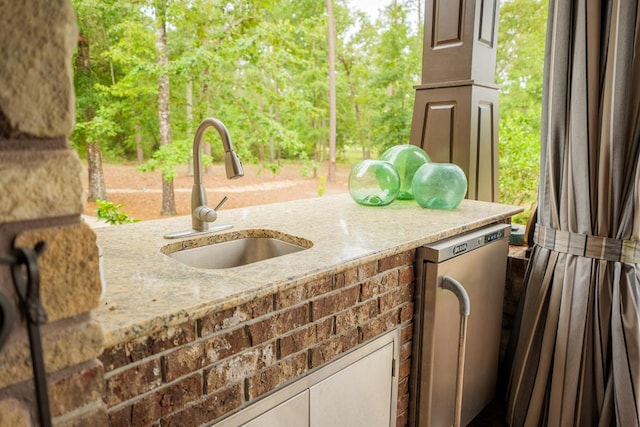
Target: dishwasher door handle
(452, 285)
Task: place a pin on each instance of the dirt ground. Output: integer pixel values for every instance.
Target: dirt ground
(140, 193)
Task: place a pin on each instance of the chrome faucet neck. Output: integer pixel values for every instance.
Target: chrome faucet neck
(201, 214)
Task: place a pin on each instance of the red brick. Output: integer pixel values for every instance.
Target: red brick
(133, 381)
(226, 344)
(207, 409)
(396, 298)
(94, 417)
(166, 400)
(402, 419)
(297, 294)
(379, 285)
(121, 417)
(184, 361)
(328, 350)
(367, 270)
(274, 376)
(403, 387)
(404, 258)
(405, 369)
(235, 316)
(276, 325)
(406, 312)
(402, 405)
(356, 315)
(75, 387)
(234, 369)
(114, 357)
(405, 350)
(165, 339)
(406, 333)
(406, 275)
(334, 302)
(381, 324)
(389, 281)
(346, 278)
(305, 337)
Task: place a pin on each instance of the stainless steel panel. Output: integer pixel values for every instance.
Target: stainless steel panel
(366, 385)
(478, 261)
(292, 413)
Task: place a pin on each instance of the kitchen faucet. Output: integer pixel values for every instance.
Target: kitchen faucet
(201, 214)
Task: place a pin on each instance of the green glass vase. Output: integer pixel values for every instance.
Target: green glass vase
(406, 159)
(439, 185)
(374, 183)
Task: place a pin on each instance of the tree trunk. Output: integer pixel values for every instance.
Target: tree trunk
(356, 107)
(332, 92)
(97, 189)
(139, 151)
(272, 151)
(189, 112)
(276, 117)
(164, 111)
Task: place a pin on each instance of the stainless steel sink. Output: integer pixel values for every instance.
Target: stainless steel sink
(235, 249)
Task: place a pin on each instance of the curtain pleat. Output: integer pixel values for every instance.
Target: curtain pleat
(576, 359)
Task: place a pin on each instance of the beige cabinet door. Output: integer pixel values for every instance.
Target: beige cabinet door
(360, 395)
(291, 413)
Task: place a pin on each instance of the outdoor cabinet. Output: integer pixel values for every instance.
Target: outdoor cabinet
(455, 114)
(459, 124)
(357, 390)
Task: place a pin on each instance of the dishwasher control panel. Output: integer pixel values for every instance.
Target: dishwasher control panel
(463, 243)
(488, 238)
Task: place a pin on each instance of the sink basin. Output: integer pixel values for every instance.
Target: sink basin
(235, 249)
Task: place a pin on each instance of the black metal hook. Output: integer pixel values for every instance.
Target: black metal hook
(26, 279)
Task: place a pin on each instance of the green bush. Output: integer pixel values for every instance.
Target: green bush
(109, 212)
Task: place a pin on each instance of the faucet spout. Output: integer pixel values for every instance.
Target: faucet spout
(201, 214)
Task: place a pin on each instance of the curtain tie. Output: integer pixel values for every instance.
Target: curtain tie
(596, 247)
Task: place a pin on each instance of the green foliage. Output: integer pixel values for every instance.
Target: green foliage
(309, 169)
(322, 182)
(520, 65)
(167, 157)
(112, 213)
(261, 66)
(274, 168)
(258, 65)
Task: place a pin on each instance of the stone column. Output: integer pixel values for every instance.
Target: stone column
(42, 200)
(455, 116)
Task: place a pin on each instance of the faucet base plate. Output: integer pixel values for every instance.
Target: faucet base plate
(192, 232)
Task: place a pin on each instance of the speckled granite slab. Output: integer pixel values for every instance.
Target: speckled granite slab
(148, 290)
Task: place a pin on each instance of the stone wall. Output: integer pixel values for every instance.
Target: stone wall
(42, 201)
(201, 370)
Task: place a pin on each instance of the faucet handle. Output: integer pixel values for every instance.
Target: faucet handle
(220, 203)
(205, 213)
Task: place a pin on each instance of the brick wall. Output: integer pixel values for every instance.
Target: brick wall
(200, 370)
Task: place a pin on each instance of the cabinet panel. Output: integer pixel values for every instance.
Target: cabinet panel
(357, 389)
(358, 395)
(291, 413)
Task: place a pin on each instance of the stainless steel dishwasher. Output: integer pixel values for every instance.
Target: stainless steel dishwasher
(457, 326)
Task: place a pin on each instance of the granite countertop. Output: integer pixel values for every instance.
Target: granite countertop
(147, 290)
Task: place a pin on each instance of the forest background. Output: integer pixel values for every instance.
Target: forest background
(148, 71)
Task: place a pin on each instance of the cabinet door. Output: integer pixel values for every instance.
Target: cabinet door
(359, 395)
(291, 413)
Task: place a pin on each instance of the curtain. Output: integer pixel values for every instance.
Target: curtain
(577, 336)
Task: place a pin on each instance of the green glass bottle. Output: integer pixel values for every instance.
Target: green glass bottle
(374, 183)
(406, 159)
(439, 185)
